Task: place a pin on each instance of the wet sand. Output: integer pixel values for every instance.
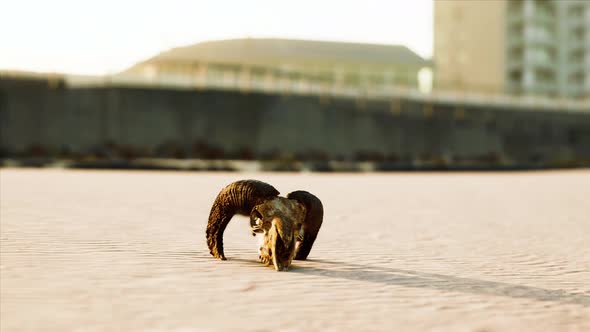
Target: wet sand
(126, 251)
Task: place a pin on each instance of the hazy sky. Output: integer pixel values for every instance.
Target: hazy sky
(98, 37)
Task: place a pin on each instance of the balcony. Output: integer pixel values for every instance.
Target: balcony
(543, 88)
(520, 16)
(514, 63)
(515, 17)
(540, 35)
(542, 63)
(577, 91)
(515, 39)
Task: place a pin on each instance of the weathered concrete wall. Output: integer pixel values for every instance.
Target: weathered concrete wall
(41, 119)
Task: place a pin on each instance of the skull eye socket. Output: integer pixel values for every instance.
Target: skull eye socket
(255, 215)
(256, 221)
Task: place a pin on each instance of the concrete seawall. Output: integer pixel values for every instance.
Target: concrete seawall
(43, 118)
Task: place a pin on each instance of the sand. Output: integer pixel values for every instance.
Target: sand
(126, 251)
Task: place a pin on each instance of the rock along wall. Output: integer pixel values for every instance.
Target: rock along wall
(48, 119)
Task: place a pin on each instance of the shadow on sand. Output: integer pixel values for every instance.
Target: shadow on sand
(415, 279)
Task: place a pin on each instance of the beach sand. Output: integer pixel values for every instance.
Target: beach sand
(126, 251)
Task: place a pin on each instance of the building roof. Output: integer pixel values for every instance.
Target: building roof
(264, 52)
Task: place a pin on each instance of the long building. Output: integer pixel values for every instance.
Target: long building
(522, 47)
(257, 63)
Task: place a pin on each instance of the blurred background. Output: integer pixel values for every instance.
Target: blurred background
(320, 86)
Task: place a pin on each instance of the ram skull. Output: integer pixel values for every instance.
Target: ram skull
(287, 226)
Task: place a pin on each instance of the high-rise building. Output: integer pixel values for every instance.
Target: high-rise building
(523, 47)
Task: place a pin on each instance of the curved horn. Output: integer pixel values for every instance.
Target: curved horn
(314, 216)
(237, 198)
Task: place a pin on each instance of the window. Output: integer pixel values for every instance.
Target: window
(457, 13)
(544, 75)
(577, 56)
(544, 8)
(515, 76)
(577, 78)
(516, 53)
(576, 11)
(578, 34)
(515, 5)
